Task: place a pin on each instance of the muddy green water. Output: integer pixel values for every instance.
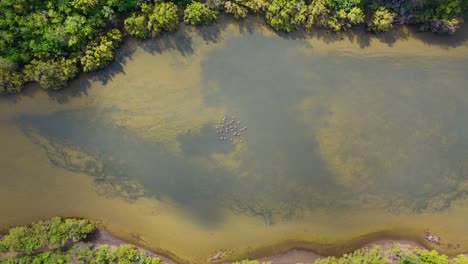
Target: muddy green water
(349, 136)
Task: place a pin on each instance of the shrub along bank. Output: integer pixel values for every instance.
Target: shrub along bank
(377, 256)
(61, 241)
(51, 41)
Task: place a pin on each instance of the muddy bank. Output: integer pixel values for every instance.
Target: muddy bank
(290, 252)
(287, 253)
(103, 237)
(305, 256)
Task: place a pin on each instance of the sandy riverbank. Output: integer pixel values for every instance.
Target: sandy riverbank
(102, 237)
(291, 256)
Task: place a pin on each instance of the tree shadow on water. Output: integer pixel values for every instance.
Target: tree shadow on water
(79, 86)
(83, 82)
(179, 41)
(212, 33)
(361, 36)
(444, 40)
(30, 90)
(357, 35)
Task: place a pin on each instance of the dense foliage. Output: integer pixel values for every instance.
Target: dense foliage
(461, 259)
(334, 14)
(51, 41)
(152, 20)
(58, 241)
(286, 15)
(240, 8)
(101, 51)
(53, 233)
(377, 256)
(373, 256)
(51, 74)
(86, 253)
(198, 13)
(381, 20)
(42, 41)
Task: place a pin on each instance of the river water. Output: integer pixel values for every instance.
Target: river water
(350, 137)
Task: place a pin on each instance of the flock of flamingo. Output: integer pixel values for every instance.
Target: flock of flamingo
(230, 129)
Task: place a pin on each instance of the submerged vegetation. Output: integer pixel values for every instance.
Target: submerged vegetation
(61, 241)
(50, 42)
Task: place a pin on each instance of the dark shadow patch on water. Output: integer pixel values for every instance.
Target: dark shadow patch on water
(250, 26)
(357, 34)
(211, 33)
(76, 88)
(459, 38)
(179, 41)
(263, 87)
(204, 143)
(125, 166)
(79, 86)
(30, 90)
(266, 86)
(362, 36)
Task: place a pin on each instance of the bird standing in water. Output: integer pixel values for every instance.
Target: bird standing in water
(230, 125)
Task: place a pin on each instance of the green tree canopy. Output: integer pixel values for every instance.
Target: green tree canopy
(335, 14)
(136, 26)
(460, 259)
(164, 17)
(317, 14)
(257, 5)
(51, 74)
(236, 8)
(53, 233)
(198, 13)
(153, 19)
(241, 8)
(381, 20)
(286, 15)
(11, 80)
(101, 51)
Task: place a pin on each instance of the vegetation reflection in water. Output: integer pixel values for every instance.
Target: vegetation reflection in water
(331, 135)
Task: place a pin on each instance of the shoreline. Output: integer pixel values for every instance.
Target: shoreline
(22, 70)
(296, 254)
(103, 237)
(287, 252)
